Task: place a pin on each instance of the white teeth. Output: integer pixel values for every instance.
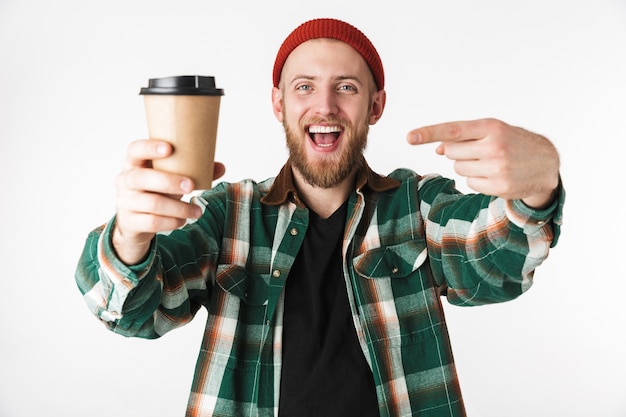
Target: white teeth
(324, 129)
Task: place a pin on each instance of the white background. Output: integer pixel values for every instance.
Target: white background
(70, 73)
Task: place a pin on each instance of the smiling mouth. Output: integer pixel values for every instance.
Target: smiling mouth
(324, 136)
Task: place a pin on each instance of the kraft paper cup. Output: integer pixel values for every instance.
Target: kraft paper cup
(184, 111)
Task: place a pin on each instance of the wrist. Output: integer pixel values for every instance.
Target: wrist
(130, 251)
(540, 201)
(544, 199)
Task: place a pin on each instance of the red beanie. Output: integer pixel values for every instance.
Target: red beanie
(335, 29)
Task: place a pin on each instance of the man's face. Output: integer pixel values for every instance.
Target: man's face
(326, 101)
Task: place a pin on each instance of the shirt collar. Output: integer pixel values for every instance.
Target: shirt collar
(284, 189)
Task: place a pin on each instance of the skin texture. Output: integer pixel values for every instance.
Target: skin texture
(148, 201)
(497, 159)
(326, 84)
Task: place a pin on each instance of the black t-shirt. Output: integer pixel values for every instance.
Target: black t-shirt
(324, 372)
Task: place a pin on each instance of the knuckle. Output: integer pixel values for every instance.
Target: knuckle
(497, 152)
(132, 149)
(151, 204)
(125, 181)
(152, 223)
(496, 126)
(501, 170)
(454, 130)
(131, 178)
(492, 122)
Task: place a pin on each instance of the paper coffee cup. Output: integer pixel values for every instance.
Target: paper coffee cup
(184, 111)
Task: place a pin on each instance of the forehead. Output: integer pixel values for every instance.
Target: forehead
(326, 57)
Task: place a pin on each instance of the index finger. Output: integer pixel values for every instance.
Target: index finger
(448, 132)
(140, 151)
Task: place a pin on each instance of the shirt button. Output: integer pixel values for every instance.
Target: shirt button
(394, 270)
(293, 232)
(276, 273)
(541, 223)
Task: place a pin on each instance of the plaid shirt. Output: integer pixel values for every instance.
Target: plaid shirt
(408, 240)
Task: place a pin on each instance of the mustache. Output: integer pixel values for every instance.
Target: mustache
(325, 120)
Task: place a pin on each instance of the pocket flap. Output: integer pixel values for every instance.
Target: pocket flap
(391, 261)
(235, 280)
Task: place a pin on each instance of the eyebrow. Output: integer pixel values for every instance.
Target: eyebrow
(337, 78)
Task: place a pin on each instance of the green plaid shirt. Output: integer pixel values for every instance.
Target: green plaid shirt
(408, 241)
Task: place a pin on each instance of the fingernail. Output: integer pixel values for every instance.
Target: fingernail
(415, 138)
(161, 149)
(197, 212)
(186, 185)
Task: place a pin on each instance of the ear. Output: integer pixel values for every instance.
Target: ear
(277, 103)
(378, 106)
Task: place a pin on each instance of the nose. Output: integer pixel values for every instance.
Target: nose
(326, 102)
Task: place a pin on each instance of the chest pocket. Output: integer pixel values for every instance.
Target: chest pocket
(395, 261)
(235, 280)
(242, 297)
(397, 290)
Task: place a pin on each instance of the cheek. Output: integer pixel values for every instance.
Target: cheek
(296, 107)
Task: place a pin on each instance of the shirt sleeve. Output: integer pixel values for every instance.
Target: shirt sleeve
(484, 249)
(112, 290)
(161, 293)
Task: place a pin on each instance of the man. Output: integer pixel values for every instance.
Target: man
(323, 285)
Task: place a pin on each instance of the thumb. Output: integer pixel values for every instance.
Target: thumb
(218, 170)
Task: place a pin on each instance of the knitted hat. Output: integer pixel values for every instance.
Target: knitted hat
(335, 29)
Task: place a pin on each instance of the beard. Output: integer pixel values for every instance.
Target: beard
(330, 170)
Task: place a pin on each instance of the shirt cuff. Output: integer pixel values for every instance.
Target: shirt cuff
(532, 219)
(129, 275)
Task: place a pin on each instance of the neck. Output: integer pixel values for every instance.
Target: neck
(323, 201)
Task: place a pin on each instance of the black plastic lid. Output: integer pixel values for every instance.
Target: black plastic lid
(183, 85)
